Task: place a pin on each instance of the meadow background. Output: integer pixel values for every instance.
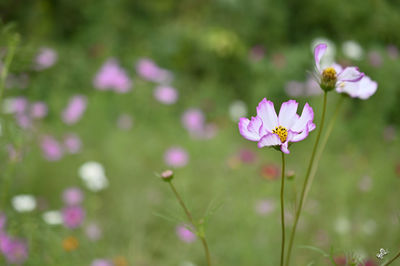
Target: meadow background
(222, 57)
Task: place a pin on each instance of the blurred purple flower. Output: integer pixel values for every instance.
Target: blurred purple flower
(294, 88)
(93, 232)
(74, 110)
(101, 262)
(38, 110)
(112, 77)
(16, 105)
(193, 120)
(375, 59)
(257, 53)
(45, 58)
(124, 122)
(393, 52)
(73, 216)
(166, 94)
(51, 149)
(185, 234)
(247, 156)
(264, 207)
(72, 196)
(72, 143)
(14, 250)
(176, 157)
(24, 121)
(148, 70)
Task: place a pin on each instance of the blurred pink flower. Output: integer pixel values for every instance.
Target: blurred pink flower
(185, 234)
(38, 110)
(166, 94)
(72, 196)
(176, 157)
(393, 52)
(45, 58)
(72, 143)
(375, 59)
(247, 156)
(14, 250)
(112, 77)
(264, 207)
(24, 121)
(93, 232)
(17, 105)
(193, 120)
(74, 110)
(148, 70)
(257, 53)
(73, 216)
(51, 149)
(124, 122)
(101, 262)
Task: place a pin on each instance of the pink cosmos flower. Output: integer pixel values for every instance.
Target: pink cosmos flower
(72, 143)
(149, 70)
(112, 77)
(331, 77)
(176, 157)
(101, 262)
(268, 129)
(185, 234)
(93, 232)
(38, 110)
(193, 120)
(23, 120)
(51, 149)
(74, 110)
(72, 196)
(73, 216)
(18, 105)
(166, 94)
(14, 250)
(45, 58)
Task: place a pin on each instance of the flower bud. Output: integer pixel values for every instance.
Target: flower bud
(291, 174)
(328, 79)
(167, 175)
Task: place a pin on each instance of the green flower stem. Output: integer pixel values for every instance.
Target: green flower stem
(12, 45)
(300, 206)
(393, 259)
(327, 134)
(190, 218)
(283, 208)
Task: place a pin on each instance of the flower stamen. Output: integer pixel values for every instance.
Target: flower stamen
(281, 132)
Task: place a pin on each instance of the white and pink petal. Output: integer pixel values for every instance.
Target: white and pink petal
(351, 74)
(266, 111)
(307, 115)
(250, 129)
(287, 114)
(270, 139)
(319, 51)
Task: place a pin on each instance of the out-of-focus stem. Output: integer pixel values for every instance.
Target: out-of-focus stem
(300, 206)
(324, 140)
(283, 209)
(190, 218)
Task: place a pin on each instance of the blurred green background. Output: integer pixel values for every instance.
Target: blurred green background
(219, 52)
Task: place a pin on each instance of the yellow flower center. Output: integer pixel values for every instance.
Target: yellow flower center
(329, 74)
(281, 132)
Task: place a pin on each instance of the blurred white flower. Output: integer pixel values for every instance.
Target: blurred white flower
(52, 217)
(342, 225)
(23, 203)
(92, 173)
(369, 227)
(237, 109)
(187, 263)
(329, 56)
(352, 50)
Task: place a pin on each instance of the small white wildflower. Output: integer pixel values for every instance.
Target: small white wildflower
(352, 50)
(237, 109)
(382, 253)
(93, 175)
(52, 217)
(23, 203)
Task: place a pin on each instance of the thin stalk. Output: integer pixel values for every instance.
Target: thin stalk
(283, 209)
(190, 218)
(7, 62)
(299, 208)
(324, 140)
(393, 259)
